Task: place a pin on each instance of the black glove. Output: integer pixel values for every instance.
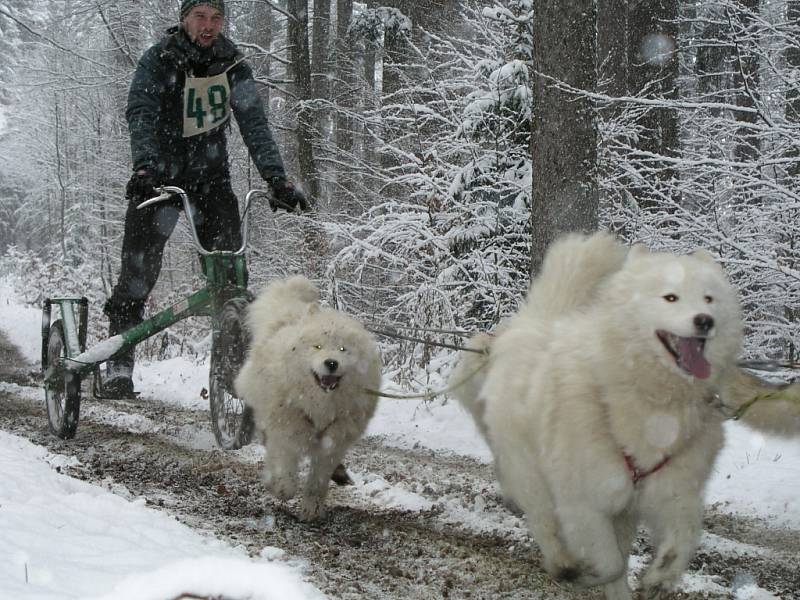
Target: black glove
(286, 195)
(142, 185)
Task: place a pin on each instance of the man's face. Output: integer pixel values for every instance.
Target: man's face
(203, 24)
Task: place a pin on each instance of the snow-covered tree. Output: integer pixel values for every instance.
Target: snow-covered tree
(734, 177)
(450, 249)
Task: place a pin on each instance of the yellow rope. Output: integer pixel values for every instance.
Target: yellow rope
(789, 393)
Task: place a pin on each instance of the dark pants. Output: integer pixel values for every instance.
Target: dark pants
(146, 233)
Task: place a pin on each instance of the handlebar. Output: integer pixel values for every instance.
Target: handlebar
(169, 191)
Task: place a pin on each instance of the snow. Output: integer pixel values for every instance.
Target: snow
(435, 425)
(69, 539)
(99, 352)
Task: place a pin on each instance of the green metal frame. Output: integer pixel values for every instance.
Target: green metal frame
(226, 278)
(207, 301)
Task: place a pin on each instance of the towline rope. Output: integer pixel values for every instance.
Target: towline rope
(430, 394)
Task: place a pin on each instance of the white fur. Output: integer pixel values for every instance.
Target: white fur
(292, 338)
(579, 378)
(468, 377)
(577, 274)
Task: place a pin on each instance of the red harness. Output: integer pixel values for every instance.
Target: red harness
(636, 473)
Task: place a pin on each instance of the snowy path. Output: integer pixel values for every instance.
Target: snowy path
(424, 519)
(417, 524)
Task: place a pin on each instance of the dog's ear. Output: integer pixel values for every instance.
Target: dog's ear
(704, 255)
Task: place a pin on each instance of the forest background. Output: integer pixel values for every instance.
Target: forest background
(444, 144)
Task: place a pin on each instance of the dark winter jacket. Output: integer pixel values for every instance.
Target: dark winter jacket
(156, 112)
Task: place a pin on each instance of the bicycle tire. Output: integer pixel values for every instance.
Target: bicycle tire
(63, 393)
(231, 418)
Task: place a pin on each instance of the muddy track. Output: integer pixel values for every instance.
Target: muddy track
(461, 543)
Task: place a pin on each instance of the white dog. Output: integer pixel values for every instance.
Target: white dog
(306, 377)
(600, 403)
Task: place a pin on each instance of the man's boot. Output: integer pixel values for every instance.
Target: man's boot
(118, 382)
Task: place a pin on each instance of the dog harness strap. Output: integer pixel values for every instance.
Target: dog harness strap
(636, 473)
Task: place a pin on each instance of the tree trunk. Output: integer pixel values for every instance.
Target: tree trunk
(62, 190)
(612, 46)
(793, 94)
(370, 92)
(263, 34)
(793, 61)
(395, 61)
(345, 81)
(746, 83)
(564, 136)
(792, 112)
(300, 69)
(321, 33)
(612, 70)
(321, 87)
(653, 73)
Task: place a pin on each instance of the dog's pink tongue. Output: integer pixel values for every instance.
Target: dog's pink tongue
(691, 358)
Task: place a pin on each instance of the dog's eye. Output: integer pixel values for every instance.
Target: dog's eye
(342, 349)
(671, 298)
(318, 347)
(708, 299)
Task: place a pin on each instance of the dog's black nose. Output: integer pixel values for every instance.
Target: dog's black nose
(703, 322)
(332, 365)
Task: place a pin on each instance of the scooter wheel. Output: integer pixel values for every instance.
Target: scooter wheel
(62, 389)
(231, 418)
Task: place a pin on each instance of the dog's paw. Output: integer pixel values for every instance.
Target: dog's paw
(312, 509)
(662, 575)
(282, 487)
(581, 573)
(561, 567)
(513, 507)
(655, 586)
(340, 476)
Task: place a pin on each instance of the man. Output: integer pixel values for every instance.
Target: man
(182, 95)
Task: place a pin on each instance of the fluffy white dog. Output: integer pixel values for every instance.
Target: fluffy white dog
(600, 400)
(306, 377)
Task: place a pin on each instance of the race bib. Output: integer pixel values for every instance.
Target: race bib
(206, 103)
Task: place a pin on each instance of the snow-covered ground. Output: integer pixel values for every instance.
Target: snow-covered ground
(64, 538)
(68, 539)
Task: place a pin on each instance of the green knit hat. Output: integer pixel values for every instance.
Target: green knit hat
(187, 5)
